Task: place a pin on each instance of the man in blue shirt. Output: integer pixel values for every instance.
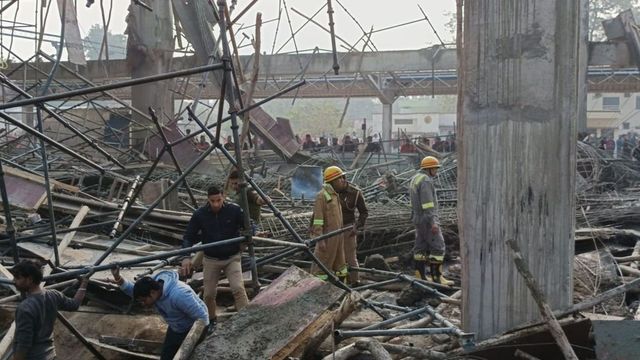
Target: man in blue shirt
(176, 302)
(217, 221)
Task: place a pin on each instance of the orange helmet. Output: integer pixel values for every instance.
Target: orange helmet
(331, 173)
(429, 162)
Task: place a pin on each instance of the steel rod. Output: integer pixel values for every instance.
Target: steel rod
(134, 261)
(47, 186)
(153, 205)
(169, 149)
(242, 111)
(396, 319)
(377, 284)
(343, 334)
(125, 206)
(6, 206)
(118, 85)
(50, 141)
(80, 337)
(230, 93)
(336, 65)
(63, 231)
(57, 117)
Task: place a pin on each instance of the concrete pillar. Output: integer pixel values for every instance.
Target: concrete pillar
(517, 157)
(149, 52)
(387, 124)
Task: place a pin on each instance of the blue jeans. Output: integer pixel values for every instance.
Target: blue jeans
(172, 342)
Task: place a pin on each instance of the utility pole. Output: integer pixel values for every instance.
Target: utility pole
(521, 95)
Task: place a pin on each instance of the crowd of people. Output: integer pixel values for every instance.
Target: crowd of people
(626, 146)
(350, 143)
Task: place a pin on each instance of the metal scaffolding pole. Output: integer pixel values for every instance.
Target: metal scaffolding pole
(106, 87)
(47, 185)
(169, 150)
(50, 141)
(85, 138)
(147, 211)
(233, 111)
(134, 261)
(11, 231)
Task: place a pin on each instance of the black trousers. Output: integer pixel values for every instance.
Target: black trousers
(172, 342)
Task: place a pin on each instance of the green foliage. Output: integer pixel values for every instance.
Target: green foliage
(117, 44)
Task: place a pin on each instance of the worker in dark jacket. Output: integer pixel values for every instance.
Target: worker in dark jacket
(429, 247)
(217, 221)
(36, 314)
(351, 198)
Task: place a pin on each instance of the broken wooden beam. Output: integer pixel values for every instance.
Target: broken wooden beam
(374, 348)
(189, 344)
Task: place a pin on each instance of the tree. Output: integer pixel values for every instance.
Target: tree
(117, 44)
(600, 10)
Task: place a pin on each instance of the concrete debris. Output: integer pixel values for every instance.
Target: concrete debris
(100, 176)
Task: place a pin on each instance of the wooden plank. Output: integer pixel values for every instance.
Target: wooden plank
(295, 303)
(8, 275)
(190, 342)
(77, 220)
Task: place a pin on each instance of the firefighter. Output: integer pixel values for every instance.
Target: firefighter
(327, 217)
(351, 198)
(429, 247)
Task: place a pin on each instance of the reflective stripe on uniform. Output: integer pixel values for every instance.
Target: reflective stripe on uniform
(419, 257)
(319, 222)
(436, 258)
(427, 205)
(344, 271)
(418, 180)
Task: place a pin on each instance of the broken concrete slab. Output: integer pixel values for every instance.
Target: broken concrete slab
(276, 322)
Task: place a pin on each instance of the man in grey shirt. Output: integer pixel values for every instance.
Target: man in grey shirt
(36, 314)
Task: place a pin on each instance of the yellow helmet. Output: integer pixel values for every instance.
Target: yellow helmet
(429, 162)
(331, 173)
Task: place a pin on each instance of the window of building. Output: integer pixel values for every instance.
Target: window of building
(403, 121)
(611, 103)
(626, 126)
(637, 102)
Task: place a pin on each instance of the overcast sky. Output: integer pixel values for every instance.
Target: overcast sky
(379, 14)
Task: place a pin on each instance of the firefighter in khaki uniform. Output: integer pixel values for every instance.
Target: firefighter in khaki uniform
(327, 217)
(429, 247)
(351, 198)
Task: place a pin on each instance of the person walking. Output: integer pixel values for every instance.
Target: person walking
(429, 247)
(217, 221)
(352, 199)
(327, 217)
